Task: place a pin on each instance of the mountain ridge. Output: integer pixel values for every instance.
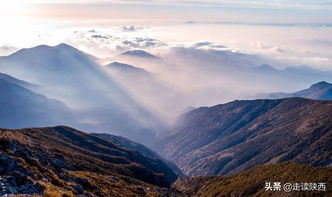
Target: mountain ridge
(233, 137)
(131, 145)
(125, 67)
(13, 80)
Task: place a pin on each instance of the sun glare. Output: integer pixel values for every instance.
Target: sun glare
(12, 7)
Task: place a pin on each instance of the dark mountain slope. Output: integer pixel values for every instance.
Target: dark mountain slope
(20, 107)
(252, 182)
(320, 91)
(236, 136)
(128, 144)
(77, 162)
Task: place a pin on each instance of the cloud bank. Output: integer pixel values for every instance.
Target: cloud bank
(239, 3)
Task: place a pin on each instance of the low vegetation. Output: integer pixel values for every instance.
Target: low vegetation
(252, 182)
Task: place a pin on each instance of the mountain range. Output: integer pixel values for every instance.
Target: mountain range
(228, 149)
(97, 101)
(60, 160)
(236, 136)
(65, 73)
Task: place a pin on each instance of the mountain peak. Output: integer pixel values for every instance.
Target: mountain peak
(266, 67)
(40, 49)
(139, 53)
(64, 46)
(36, 48)
(322, 84)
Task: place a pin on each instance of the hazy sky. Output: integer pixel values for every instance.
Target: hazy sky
(211, 10)
(296, 31)
(251, 3)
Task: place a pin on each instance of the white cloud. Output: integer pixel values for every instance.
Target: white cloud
(105, 42)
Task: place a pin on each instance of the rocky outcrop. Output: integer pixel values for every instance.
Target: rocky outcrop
(62, 159)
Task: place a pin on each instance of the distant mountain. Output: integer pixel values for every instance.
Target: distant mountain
(65, 72)
(130, 57)
(319, 91)
(139, 54)
(126, 73)
(252, 182)
(61, 160)
(290, 78)
(68, 74)
(131, 145)
(233, 137)
(121, 67)
(20, 107)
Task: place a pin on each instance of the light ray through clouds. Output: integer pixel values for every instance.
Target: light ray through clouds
(210, 51)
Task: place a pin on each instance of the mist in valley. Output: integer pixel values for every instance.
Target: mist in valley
(140, 94)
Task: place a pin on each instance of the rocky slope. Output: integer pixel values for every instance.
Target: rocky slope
(252, 182)
(239, 135)
(62, 160)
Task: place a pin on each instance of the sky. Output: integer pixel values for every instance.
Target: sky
(296, 32)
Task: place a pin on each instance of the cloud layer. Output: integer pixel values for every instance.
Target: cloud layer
(238, 3)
